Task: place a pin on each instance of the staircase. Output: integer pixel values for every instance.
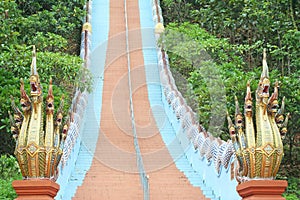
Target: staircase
(106, 166)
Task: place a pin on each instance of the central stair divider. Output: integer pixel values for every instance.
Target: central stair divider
(144, 177)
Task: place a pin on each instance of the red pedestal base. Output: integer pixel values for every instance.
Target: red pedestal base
(262, 189)
(42, 189)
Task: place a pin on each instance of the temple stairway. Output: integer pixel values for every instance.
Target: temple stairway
(109, 171)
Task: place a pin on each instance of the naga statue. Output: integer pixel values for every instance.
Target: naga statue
(39, 141)
(259, 148)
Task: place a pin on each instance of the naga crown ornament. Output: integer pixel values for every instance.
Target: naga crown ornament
(259, 148)
(39, 141)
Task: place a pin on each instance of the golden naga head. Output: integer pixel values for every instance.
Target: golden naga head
(39, 140)
(257, 141)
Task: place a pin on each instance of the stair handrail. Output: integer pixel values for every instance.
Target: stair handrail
(144, 177)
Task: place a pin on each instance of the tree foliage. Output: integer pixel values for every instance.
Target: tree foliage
(9, 171)
(233, 33)
(54, 27)
(252, 25)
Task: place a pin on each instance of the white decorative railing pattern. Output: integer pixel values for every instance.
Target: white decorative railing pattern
(213, 149)
(76, 114)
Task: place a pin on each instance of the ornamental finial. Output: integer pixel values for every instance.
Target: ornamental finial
(259, 149)
(265, 71)
(33, 63)
(38, 147)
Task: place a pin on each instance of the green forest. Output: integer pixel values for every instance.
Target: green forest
(54, 27)
(233, 33)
